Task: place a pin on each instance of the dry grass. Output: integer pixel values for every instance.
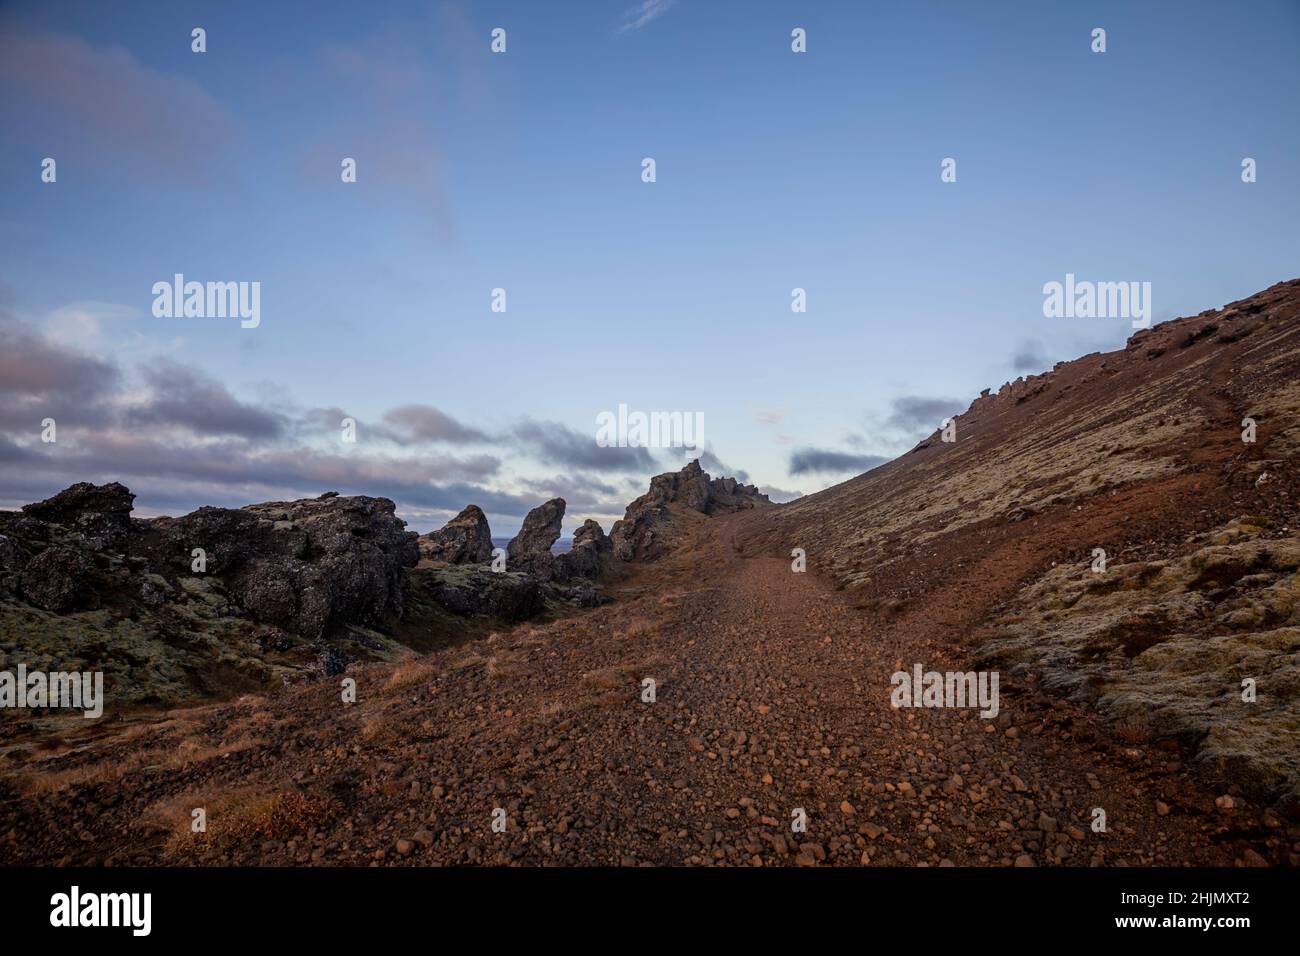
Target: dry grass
(1134, 729)
(411, 673)
(235, 816)
(170, 756)
(637, 627)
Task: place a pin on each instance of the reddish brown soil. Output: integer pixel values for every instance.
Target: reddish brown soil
(772, 694)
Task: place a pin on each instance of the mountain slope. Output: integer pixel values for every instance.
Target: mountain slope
(1139, 453)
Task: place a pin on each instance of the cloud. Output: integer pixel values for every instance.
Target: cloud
(716, 469)
(40, 378)
(388, 120)
(554, 443)
(779, 495)
(913, 412)
(88, 100)
(79, 323)
(769, 417)
(805, 461)
(582, 496)
(634, 18)
(1030, 356)
(426, 423)
(182, 395)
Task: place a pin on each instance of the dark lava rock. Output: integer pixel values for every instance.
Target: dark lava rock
(301, 565)
(643, 532)
(505, 596)
(584, 596)
(100, 513)
(465, 539)
(12, 558)
(530, 550)
(57, 580)
(588, 556)
(332, 661)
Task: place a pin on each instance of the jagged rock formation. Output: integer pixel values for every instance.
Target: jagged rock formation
(301, 565)
(588, 557)
(465, 539)
(226, 600)
(647, 529)
(100, 514)
(530, 550)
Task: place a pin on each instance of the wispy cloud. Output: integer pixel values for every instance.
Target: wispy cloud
(912, 413)
(93, 99)
(807, 461)
(1030, 356)
(644, 12)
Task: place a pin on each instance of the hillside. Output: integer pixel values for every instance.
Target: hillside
(990, 539)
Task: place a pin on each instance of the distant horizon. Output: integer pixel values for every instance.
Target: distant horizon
(564, 542)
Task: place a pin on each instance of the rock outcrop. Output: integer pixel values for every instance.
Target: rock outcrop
(101, 514)
(56, 580)
(645, 531)
(588, 557)
(530, 550)
(465, 539)
(506, 597)
(301, 565)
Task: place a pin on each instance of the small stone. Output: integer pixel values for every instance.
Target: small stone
(1024, 859)
(1162, 808)
(847, 809)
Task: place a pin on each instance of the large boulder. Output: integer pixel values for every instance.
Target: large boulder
(57, 580)
(503, 596)
(101, 514)
(300, 565)
(465, 539)
(530, 550)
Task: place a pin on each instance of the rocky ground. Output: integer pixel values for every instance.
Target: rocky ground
(772, 694)
(540, 742)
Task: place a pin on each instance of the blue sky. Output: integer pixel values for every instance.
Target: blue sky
(522, 171)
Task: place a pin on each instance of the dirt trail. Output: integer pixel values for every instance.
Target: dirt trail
(772, 695)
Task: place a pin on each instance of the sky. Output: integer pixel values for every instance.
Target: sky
(523, 171)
